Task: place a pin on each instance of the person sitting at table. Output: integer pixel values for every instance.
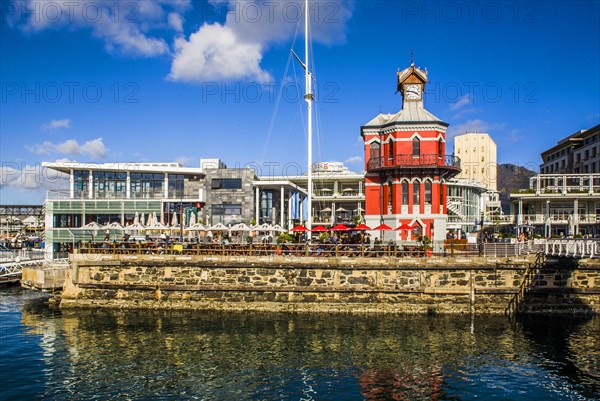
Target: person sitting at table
(377, 247)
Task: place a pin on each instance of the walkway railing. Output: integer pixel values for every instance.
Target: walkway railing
(532, 271)
(574, 248)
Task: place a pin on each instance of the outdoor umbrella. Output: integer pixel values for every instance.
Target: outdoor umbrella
(113, 226)
(319, 229)
(298, 229)
(156, 225)
(278, 228)
(340, 209)
(361, 227)
(263, 227)
(219, 227)
(404, 227)
(382, 227)
(196, 227)
(241, 227)
(340, 227)
(135, 226)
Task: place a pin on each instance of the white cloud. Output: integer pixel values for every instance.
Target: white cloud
(176, 22)
(460, 103)
(215, 53)
(184, 160)
(31, 177)
(476, 125)
(55, 124)
(354, 160)
(123, 26)
(234, 49)
(94, 148)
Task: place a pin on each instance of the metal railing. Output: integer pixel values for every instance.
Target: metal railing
(410, 161)
(515, 304)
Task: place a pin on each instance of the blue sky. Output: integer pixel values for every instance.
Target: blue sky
(162, 81)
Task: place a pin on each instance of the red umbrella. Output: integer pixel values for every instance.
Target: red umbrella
(404, 227)
(383, 227)
(319, 229)
(299, 229)
(361, 227)
(340, 227)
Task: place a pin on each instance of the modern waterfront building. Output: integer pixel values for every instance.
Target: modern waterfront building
(117, 192)
(576, 154)
(477, 153)
(338, 193)
(565, 198)
(406, 166)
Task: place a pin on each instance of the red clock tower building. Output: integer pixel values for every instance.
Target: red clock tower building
(406, 165)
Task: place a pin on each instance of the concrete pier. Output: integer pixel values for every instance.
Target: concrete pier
(313, 284)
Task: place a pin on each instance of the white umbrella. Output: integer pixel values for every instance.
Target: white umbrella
(241, 227)
(263, 227)
(192, 219)
(114, 226)
(136, 218)
(196, 227)
(219, 227)
(157, 225)
(340, 209)
(93, 226)
(174, 220)
(142, 219)
(278, 228)
(135, 226)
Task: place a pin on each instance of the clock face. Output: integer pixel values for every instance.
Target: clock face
(412, 91)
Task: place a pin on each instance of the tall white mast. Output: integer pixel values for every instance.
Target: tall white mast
(309, 99)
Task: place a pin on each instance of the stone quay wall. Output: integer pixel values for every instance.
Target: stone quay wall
(352, 285)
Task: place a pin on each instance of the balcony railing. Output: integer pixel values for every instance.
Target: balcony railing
(410, 161)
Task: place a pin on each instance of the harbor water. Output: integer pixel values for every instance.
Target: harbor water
(48, 354)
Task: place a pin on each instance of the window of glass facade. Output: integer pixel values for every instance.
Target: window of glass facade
(226, 214)
(81, 180)
(226, 183)
(266, 207)
(67, 220)
(147, 185)
(176, 185)
(109, 184)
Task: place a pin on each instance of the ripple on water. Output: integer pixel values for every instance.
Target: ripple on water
(95, 354)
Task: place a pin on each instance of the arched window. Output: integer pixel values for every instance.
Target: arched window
(375, 155)
(404, 196)
(416, 147)
(390, 193)
(416, 193)
(391, 148)
(440, 148)
(427, 192)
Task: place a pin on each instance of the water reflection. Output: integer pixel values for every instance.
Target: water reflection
(98, 354)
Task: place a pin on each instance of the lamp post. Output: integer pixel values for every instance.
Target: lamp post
(181, 221)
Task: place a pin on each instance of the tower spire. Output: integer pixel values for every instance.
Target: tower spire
(412, 58)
